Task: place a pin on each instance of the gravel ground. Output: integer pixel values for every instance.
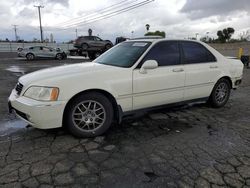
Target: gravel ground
(186, 146)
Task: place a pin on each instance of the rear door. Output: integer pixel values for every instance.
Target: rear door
(202, 70)
(162, 85)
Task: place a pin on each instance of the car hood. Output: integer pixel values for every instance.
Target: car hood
(54, 72)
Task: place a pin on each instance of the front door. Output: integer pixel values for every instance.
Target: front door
(162, 85)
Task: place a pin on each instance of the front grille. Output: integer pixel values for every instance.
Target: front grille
(19, 88)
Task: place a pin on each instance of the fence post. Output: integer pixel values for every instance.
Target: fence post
(240, 53)
(10, 47)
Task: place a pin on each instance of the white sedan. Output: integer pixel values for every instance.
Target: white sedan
(134, 75)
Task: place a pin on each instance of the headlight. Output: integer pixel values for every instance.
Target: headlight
(42, 93)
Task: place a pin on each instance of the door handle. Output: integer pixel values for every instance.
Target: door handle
(213, 67)
(178, 70)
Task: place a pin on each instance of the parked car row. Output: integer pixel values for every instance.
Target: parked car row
(91, 46)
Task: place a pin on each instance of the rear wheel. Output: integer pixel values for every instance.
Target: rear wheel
(84, 46)
(220, 93)
(30, 56)
(59, 56)
(89, 115)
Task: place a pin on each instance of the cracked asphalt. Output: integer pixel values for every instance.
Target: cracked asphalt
(185, 146)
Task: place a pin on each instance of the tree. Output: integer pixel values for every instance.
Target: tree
(147, 27)
(225, 34)
(156, 33)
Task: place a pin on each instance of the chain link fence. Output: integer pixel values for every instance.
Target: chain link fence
(227, 49)
(13, 46)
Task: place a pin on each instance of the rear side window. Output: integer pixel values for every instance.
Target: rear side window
(165, 53)
(196, 53)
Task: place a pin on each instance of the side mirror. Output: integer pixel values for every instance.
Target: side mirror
(149, 64)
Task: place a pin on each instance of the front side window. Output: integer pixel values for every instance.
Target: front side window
(196, 53)
(165, 53)
(123, 55)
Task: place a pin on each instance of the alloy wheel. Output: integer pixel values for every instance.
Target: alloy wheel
(89, 115)
(221, 92)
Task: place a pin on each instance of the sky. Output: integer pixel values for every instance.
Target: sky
(178, 18)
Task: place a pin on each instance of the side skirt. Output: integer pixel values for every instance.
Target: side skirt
(123, 115)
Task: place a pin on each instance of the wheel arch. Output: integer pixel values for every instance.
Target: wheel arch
(58, 54)
(83, 44)
(101, 91)
(29, 53)
(227, 78)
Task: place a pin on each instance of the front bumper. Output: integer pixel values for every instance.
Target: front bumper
(42, 115)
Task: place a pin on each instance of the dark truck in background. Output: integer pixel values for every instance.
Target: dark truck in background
(92, 45)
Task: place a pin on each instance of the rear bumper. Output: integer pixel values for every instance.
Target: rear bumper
(236, 82)
(42, 115)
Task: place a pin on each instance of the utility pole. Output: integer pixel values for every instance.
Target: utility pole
(15, 29)
(39, 12)
(76, 33)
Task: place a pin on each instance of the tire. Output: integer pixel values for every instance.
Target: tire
(84, 46)
(59, 56)
(220, 93)
(108, 46)
(30, 56)
(89, 115)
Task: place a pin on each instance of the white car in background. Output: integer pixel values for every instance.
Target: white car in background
(35, 52)
(134, 75)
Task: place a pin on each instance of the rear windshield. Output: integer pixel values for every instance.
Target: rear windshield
(124, 54)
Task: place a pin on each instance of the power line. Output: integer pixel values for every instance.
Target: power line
(40, 21)
(100, 11)
(106, 14)
(110, 14)
(15, 29)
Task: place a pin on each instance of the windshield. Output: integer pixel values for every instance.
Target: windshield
(124, 54)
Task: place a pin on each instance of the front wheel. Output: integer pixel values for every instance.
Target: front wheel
(220, 93)
(108, 46)
(89, 115)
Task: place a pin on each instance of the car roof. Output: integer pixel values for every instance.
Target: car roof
(160, 39)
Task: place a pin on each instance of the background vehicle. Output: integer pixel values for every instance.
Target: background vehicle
(92, 42)
(34, 52)
(134, 75)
